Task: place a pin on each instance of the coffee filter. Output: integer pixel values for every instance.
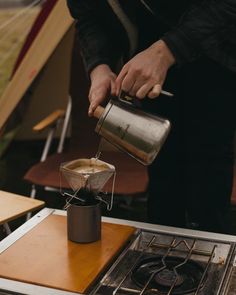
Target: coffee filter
(91, 174)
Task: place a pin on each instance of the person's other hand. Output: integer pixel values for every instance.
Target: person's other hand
(102, 84)
(145, 73)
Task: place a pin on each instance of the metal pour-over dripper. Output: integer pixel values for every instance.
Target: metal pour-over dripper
(88, 175)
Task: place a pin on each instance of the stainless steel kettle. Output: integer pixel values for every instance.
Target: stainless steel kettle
(138, 133)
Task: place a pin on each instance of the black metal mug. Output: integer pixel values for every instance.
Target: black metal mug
(84, 222)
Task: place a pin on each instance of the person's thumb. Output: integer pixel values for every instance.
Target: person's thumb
(92, 108)
(95, 100)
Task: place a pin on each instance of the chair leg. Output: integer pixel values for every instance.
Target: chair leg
(7, 228)
(32, 195)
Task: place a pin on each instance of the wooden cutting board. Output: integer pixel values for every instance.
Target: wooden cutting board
(44, 256)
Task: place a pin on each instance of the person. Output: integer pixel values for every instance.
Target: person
(188, 48)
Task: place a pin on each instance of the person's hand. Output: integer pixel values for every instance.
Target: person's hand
(102, 84)
(145, 73)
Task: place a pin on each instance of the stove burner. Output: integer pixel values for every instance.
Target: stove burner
(187, 276)
(167, 278)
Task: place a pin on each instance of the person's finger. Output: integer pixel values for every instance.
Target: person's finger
(120, 79)
(96, 98)
(127, 83)
(136, 86)
(155, 91)
(143, 91)
(113, 87)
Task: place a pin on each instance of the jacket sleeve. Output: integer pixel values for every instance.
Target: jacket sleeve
(98, 29)
(201, 29)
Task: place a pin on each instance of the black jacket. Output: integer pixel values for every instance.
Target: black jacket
(190, 28)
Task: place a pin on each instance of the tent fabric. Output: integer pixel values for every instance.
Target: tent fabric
(44, 13)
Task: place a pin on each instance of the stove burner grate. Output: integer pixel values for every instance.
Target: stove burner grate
(183, 277)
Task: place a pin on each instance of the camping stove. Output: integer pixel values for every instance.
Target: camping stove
(155, 260)
(157, 263)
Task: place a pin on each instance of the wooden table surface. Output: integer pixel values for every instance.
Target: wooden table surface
(13, 206)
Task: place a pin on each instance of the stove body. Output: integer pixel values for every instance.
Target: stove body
(163, 263)
(156, 260)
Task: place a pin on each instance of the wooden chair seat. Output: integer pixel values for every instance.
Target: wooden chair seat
(13, 206)
(131, 178)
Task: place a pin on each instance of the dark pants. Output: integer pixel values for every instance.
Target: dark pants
(191, 178)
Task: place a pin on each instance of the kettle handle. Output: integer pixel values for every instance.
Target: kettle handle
(129, 100)
(124, 98)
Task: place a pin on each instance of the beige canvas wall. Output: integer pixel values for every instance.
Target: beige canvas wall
(50, 90)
